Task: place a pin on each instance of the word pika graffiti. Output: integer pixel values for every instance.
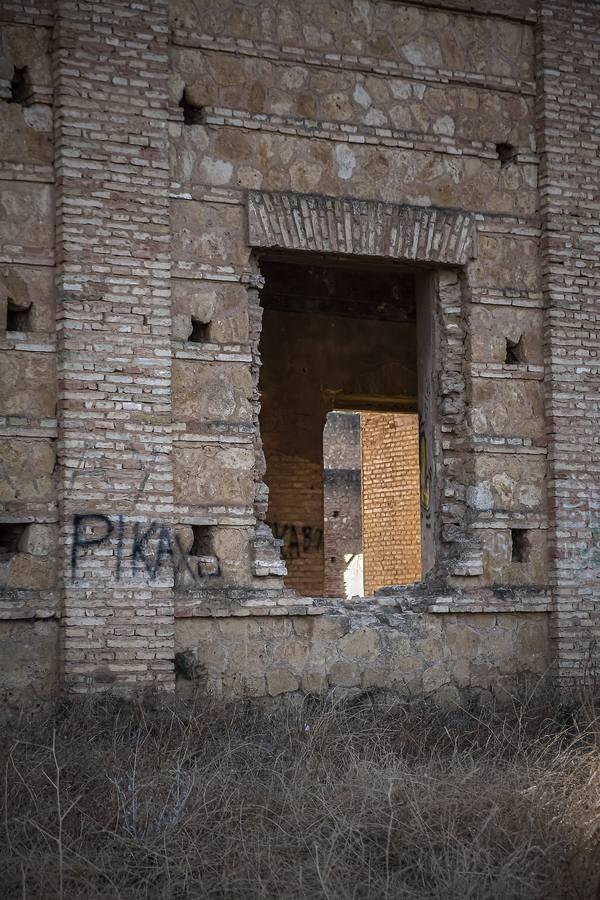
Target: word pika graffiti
(140, 548)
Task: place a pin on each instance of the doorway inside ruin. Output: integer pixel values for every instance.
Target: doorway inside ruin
(371, 502)
(339, 383)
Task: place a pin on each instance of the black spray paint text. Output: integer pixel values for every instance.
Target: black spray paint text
(139, 548)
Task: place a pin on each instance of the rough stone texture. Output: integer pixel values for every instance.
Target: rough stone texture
(349, 650)
(29, 633)
(379, 130)
(29, 661)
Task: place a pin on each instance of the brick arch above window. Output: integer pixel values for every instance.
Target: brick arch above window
(322, 224)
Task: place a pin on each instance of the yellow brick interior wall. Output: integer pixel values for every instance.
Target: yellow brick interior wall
(391, 514)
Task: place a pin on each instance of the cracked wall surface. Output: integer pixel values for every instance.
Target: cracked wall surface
(155, 155)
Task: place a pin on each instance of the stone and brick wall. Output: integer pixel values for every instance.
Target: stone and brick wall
(29, 516)
(390, 499)
(155, 150)
(568, 57)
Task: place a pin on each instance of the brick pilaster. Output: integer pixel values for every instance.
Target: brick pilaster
(568, 59)
(111, 77)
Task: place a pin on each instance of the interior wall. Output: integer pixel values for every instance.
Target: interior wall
(342, 531)
(328, 333)
(390, 500)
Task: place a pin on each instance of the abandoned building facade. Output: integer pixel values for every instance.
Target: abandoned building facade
(300, 335)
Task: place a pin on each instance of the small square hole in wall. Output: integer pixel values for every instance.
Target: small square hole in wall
(521, 545)
(203, 541)
(514, 352)
(20, 85)
(192, 114)
(10, 536)
(506, 153)
(200, 333)
(17, 319)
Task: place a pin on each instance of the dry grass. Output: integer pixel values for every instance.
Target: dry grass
(369, 798)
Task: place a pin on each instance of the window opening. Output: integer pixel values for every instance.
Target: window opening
(339, 353)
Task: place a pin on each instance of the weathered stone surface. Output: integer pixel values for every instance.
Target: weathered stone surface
(223, 80)
(214, 474)
(205, 233)
(224, 306)
(508, 408)
(31, 288)
(27, 221)
(506, 261)
(419, 36)
(491, 326)
(26, 468)
(214, 391)
(341, 169)
(500, 567)
(27, 384)
(509, 481)
(29, 661)
(437, 654)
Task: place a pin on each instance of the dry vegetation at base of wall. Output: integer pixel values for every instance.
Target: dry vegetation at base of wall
(366, 798)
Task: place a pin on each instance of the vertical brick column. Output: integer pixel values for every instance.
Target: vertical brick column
(568, 55)
(111, 75)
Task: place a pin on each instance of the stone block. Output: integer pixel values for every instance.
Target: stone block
(501, 568)
(344, 674)
(214, 474)
(314, 683)
(509, 482)
(323, 628)
(26, 469)
(25, 571)
(462, 641)
(362, 643)
(490, 326)
(26, 139)
(31, 288)
(207, 234)
(281, 681)
(218, 392)
(29, 660)
(38, 540)
(225, 306)
(27, 384)
(27, 220)
(506, 261)
(507, 408)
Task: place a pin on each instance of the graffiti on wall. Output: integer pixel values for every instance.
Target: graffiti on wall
(138, 549)
(298, 540)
